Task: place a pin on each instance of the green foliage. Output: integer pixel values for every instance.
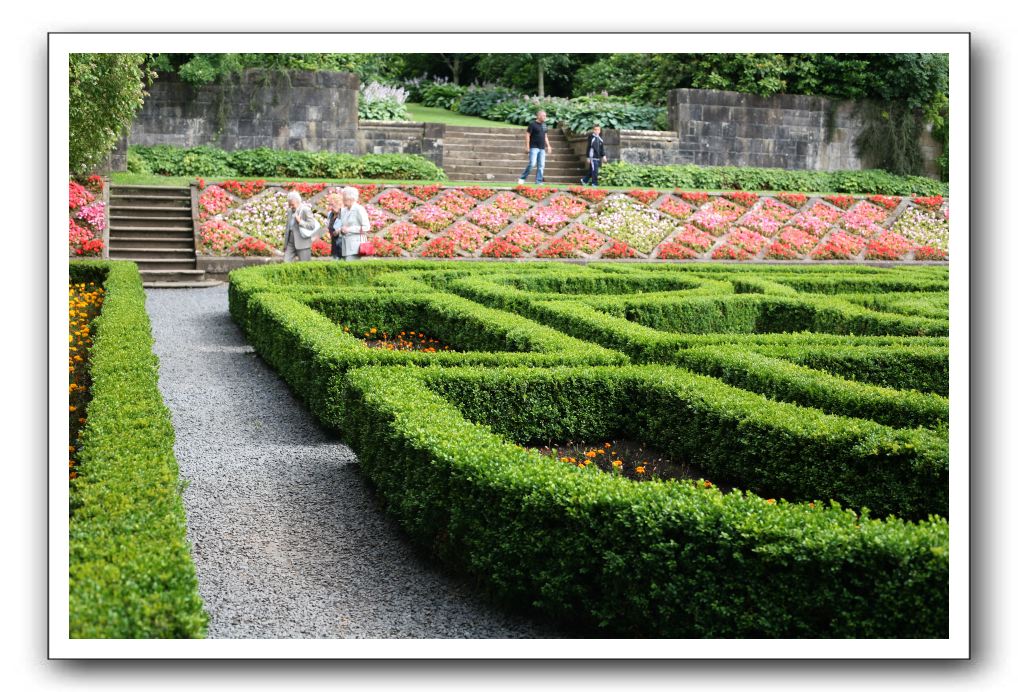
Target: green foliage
(136, 163)
(581, 113)
(212, 162)
(889, 138)
(536, 531)
(388, 109)
(131, 574)
(106, 90)
(441, 95)
(439, 435)
(743, 178)
(198, 69)
(479, 101)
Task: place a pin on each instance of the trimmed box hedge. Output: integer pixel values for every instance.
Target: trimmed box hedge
(131, 574)
(300, 338)
(634, 559)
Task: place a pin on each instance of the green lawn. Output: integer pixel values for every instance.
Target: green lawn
(426, 114)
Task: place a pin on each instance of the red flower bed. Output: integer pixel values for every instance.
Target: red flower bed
(245, 189)
(841, 201)
(252, 247)
(645, 196)
(535, 193)
(888, 246)
(396, 201)
(500, 248)
(931, 203)
(885, 202)
(321, 248)
(673, 250)
(618, 250)
(568, 206)
(781, 250)
(792, 199)
(740, 244)
(839, 245)
(383, 248)
(305, 189)
(367, 191)
(797, 239)
(746, 199)
(776, 210)
(425, 191)
(77, 195)
(217, 237)
(560, 247)
(693, 197)
(590, 194)
(467, 236)
(478, 192)
(440, 247)
(926, 253)
(94, 184)
(511, 203)
(731, 252)
(678, 209)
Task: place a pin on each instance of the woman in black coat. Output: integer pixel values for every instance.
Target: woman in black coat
(335, 203)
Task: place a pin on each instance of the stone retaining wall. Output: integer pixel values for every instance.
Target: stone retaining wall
(304, 111)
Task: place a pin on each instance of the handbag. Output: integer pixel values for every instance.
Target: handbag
(313, 233)
(366, 248)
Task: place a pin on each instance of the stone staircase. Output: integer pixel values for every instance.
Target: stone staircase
(152, 226)
(498, 154)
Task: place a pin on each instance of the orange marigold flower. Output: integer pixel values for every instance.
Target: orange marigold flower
(639, 469)
(770, 501)
(617, 463)
(708, 484)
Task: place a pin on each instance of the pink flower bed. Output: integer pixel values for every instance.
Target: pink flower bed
(490, 217)
(406, 235)
(511, 203)
(761, 223)
(547, 219)
(776, 210)
(585, 240)
(526, 237)
(694, 238)
(569, 206)
(456, 203)
(467, 236)
(396, 201)
(431, 217)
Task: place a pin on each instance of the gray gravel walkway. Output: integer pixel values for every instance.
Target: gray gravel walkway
(287, 538)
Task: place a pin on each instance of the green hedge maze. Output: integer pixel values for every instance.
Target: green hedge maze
(810, 403)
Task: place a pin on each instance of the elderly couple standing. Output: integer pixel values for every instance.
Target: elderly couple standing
(347, 225)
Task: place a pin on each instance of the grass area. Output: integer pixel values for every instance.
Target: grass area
(425, 114)
(125, 178)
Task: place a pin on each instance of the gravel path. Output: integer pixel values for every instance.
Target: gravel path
(287, 538)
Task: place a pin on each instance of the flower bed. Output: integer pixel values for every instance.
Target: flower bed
(87, 219)
(526, 217)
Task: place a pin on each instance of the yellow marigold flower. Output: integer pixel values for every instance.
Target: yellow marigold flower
(374, 329)
(708, 484)
(617, 463)
(770, 501)
(72, 408)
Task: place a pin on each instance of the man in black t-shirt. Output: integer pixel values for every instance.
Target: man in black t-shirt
(537, 147)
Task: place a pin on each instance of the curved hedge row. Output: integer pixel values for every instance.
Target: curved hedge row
(131, 574)
(647, 560)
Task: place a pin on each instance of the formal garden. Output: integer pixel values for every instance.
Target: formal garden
(696, 402)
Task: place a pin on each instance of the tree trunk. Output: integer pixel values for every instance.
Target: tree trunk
(456, 67)
(540, 78)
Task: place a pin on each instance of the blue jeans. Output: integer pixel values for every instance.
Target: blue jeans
(595, 166)
(536, 159)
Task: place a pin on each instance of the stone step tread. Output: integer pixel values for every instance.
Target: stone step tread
(152, 238)
(158, 260)
(207, 283)
(167, 272)
(135, 248)
(175, 188)
(117, 193)
(168, 230)
(164, 208)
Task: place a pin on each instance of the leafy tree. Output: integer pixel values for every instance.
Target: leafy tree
(106, 90)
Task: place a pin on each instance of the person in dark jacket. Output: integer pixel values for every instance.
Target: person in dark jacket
(335, 203)
(595, 155)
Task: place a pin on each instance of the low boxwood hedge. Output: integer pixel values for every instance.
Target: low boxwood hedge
(131, 574)
(647, 559)
(300, 337)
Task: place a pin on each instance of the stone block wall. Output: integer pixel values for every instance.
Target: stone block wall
(377, 137)
(726, 128)
(304, 111)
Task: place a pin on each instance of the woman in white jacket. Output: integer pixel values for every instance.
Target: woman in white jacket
(353, 224)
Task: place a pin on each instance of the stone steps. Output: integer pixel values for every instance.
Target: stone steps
(152, 226)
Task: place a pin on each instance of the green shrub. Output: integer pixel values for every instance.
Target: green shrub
(136, 163)
(580, 114)
(632, 559)
(265, 162)
(785, 381)
(480, 100)
(131, 574)
(441, 94)
(689, 176)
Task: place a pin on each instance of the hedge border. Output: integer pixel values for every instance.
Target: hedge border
(131, 573)
(650, 559)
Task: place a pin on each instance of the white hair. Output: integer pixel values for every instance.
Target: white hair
(293, 195)
(350, 193)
